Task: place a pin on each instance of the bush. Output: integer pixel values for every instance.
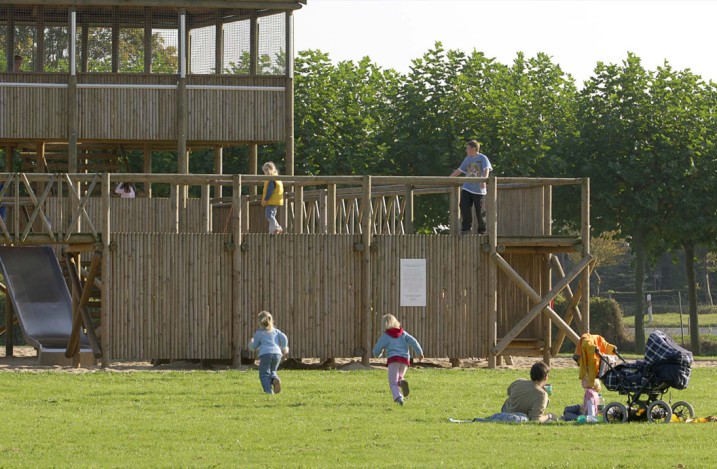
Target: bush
(708, 345)
(606, 319)
(706, 309)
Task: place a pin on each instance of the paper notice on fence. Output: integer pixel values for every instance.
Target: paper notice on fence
(413, 282)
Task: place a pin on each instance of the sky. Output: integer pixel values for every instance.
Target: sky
(576, 34)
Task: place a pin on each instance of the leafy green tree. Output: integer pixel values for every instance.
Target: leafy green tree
(617, 143)
(342, 115)
(427, 139)
(685, 118)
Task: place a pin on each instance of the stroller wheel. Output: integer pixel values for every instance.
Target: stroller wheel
(659, 412)
(683, 410)
(615, 412)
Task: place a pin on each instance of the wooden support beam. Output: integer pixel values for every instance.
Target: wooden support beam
(572, 307)
(585, 235)
(106, 270)
(236, 224)
(81, 302)
(491, 201)
(366, 288)
(542, 303)
(147, 167)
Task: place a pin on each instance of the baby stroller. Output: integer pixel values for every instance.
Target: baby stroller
(644, 382)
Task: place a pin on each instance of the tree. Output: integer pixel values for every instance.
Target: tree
(617, 151)
(685, 108)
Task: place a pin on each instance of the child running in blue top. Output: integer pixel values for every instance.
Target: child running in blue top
(397, 344)
(271, 344)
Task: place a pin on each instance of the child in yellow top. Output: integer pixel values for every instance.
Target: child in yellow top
(273, 197)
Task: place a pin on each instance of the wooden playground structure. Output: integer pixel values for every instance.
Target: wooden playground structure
(184, 276)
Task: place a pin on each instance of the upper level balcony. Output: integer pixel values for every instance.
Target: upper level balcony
(173, 74)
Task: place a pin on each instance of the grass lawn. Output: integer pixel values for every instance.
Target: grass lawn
(324, 419)
(673, 320)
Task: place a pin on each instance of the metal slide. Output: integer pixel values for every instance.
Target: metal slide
(41, 299)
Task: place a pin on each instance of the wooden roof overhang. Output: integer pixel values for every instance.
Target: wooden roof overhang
(133, 13)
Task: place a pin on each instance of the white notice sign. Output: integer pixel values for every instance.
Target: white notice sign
(413, 282)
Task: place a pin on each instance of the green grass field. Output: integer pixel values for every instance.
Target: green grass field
(673, 320)
(324, 419)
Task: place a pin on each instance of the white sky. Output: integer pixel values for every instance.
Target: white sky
(575, 33)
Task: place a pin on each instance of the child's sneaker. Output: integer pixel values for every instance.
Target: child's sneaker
(276, 385)
(399, 400)
(404, 387)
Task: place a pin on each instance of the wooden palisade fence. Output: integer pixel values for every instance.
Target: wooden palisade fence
(184, 277)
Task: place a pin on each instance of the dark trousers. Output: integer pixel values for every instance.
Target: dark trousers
(468, 201)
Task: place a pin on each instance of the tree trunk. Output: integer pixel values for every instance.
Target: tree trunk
(692, 295)
(640, 263)
(708, 290)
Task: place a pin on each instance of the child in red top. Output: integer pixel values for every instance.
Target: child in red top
(396, 343)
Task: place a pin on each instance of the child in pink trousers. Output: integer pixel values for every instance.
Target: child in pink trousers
(396, 343)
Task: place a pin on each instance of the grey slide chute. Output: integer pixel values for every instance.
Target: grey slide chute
(40, 297)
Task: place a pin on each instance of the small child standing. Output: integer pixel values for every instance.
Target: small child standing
(397, 344)
(273, 197)
(271, 344)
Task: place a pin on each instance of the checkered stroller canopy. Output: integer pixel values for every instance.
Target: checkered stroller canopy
(669, 362)
(666, 364)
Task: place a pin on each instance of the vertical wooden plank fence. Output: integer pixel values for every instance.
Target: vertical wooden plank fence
(191, 293)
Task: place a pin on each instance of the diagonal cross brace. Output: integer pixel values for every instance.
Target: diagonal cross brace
(542, 303)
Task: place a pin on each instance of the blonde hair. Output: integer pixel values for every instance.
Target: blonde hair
(266, 320)
(270, 168)
(389, 321)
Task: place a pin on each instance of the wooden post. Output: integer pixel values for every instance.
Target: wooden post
(183, 161)
(218, 169)
(84, 46)
(115, 39)
(147, 168)
(322, 228)
(206, 210)
(298, 210)
(40, 57)
(147, 40)
(9, 323)
(218, 44)
(10, 39)
(16, 209)
(253, 165)
(106, 271)
(585, 237)
(245, 215)
(366, 286)
(409, 215)
(331, 209)
(72, 98)
(9, 158)
(174, 204)
(236, 214)
(253, 45)
(491, 200)
(453, 205)
(289, 94)
(547, 231)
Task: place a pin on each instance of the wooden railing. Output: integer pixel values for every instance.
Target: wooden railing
(58, 208)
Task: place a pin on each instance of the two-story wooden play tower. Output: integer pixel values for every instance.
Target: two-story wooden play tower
(84, 82)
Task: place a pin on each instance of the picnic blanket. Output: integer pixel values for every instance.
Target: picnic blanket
(500, 417)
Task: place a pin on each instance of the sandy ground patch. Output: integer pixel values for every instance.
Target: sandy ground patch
(25, 359)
